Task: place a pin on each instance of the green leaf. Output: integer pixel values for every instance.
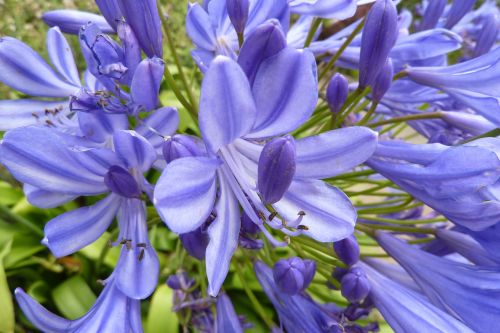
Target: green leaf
(8, 194)
(161, 318)
(7, 310)
(95, 250)
(73, 297)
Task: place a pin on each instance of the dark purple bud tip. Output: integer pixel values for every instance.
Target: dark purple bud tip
(383, 81)
(178, 146)
(276, 168)
(347, 250)
(378, 38)
(293, 275)
(354, 285)
(238, 13)
(337, 91)
(247, 225)
(121, 182)
(180, 281)
(195, 243)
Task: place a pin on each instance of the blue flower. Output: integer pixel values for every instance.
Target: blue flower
(234, 118)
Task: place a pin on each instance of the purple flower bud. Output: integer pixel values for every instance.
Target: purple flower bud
(487, 35)
(457, 11)
(383, 81)
(180, 281)
(180, 145)
(195, 243)
(276, 168)
(293, 275)
(238, 13)
(121, 182)
(433, 12)
(347, 250)
(131, 50)
(354, 285)
(339, 272)
(145, 21)
(337, 91)
(145, 85)
(247, 225)
(379, 36)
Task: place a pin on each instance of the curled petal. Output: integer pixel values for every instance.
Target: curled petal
(329, 215)
(70, 21)
(23, 69)
(223, 233)
(331, 153)
(185, 193)
(338, 9)
(227, 108)
(45, 199)
(281, 110)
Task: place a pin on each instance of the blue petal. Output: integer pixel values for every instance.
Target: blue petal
(144, 19)
(223, 232)
(329, 215)
(99, 126)
(145, 86)
(61, 56)
(23, 69)
(131, 50)
(134, 150)
(185, 193)
(407, 311)
(227, 108)
(70, 21)
(199, 28)
(331, 153)
(25, 112)
(469, 293)
(39, 157)
(282, 110)
(267, 40)
(45, 199)
(261, 11)
(227, 319)
(338, 9)
(111, 11)
(73, 230)
(163, 121)
(41, 317)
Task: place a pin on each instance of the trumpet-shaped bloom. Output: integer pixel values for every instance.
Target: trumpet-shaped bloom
(445, 179)
(474, 83)
(112, 312)
(235, 118)
(469, 293)
(408, 311)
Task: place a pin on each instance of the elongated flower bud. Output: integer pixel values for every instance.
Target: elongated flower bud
(276, 168)
(238, 13)
(379, 36)
(487, 35)
(433, 12)
(457, 11)
(293, 275)
(121, 182)
(383, 81)
(354, 285)
(337, 91)
(347, 250)
(145, 86)
(180, 145)
(110, 9)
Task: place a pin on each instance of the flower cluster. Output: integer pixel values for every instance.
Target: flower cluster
(322, 134)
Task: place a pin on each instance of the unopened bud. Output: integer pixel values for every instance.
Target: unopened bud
(337, 91)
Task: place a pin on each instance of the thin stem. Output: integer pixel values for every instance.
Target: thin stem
(434, 115)
(173, 51)
(312, 31)
(5, 211)
(341, 50)
(403, 222)
(368, 115)
(354, 174)
(400, 229)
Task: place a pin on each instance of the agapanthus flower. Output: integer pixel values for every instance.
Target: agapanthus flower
(235, 117)
(113, 311)
(445, 179)
(407, 311)
(467, 292)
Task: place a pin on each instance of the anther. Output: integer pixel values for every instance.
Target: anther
(141, 254)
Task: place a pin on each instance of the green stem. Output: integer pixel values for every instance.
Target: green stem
(339, 52)
(403, 222)
(8, 215)
(492, 133)
(433, 115)
(368, 115)
(399, 75)
(173, 51)
(173, 85)
(312, 31)
(399, 229)
(255, 302)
